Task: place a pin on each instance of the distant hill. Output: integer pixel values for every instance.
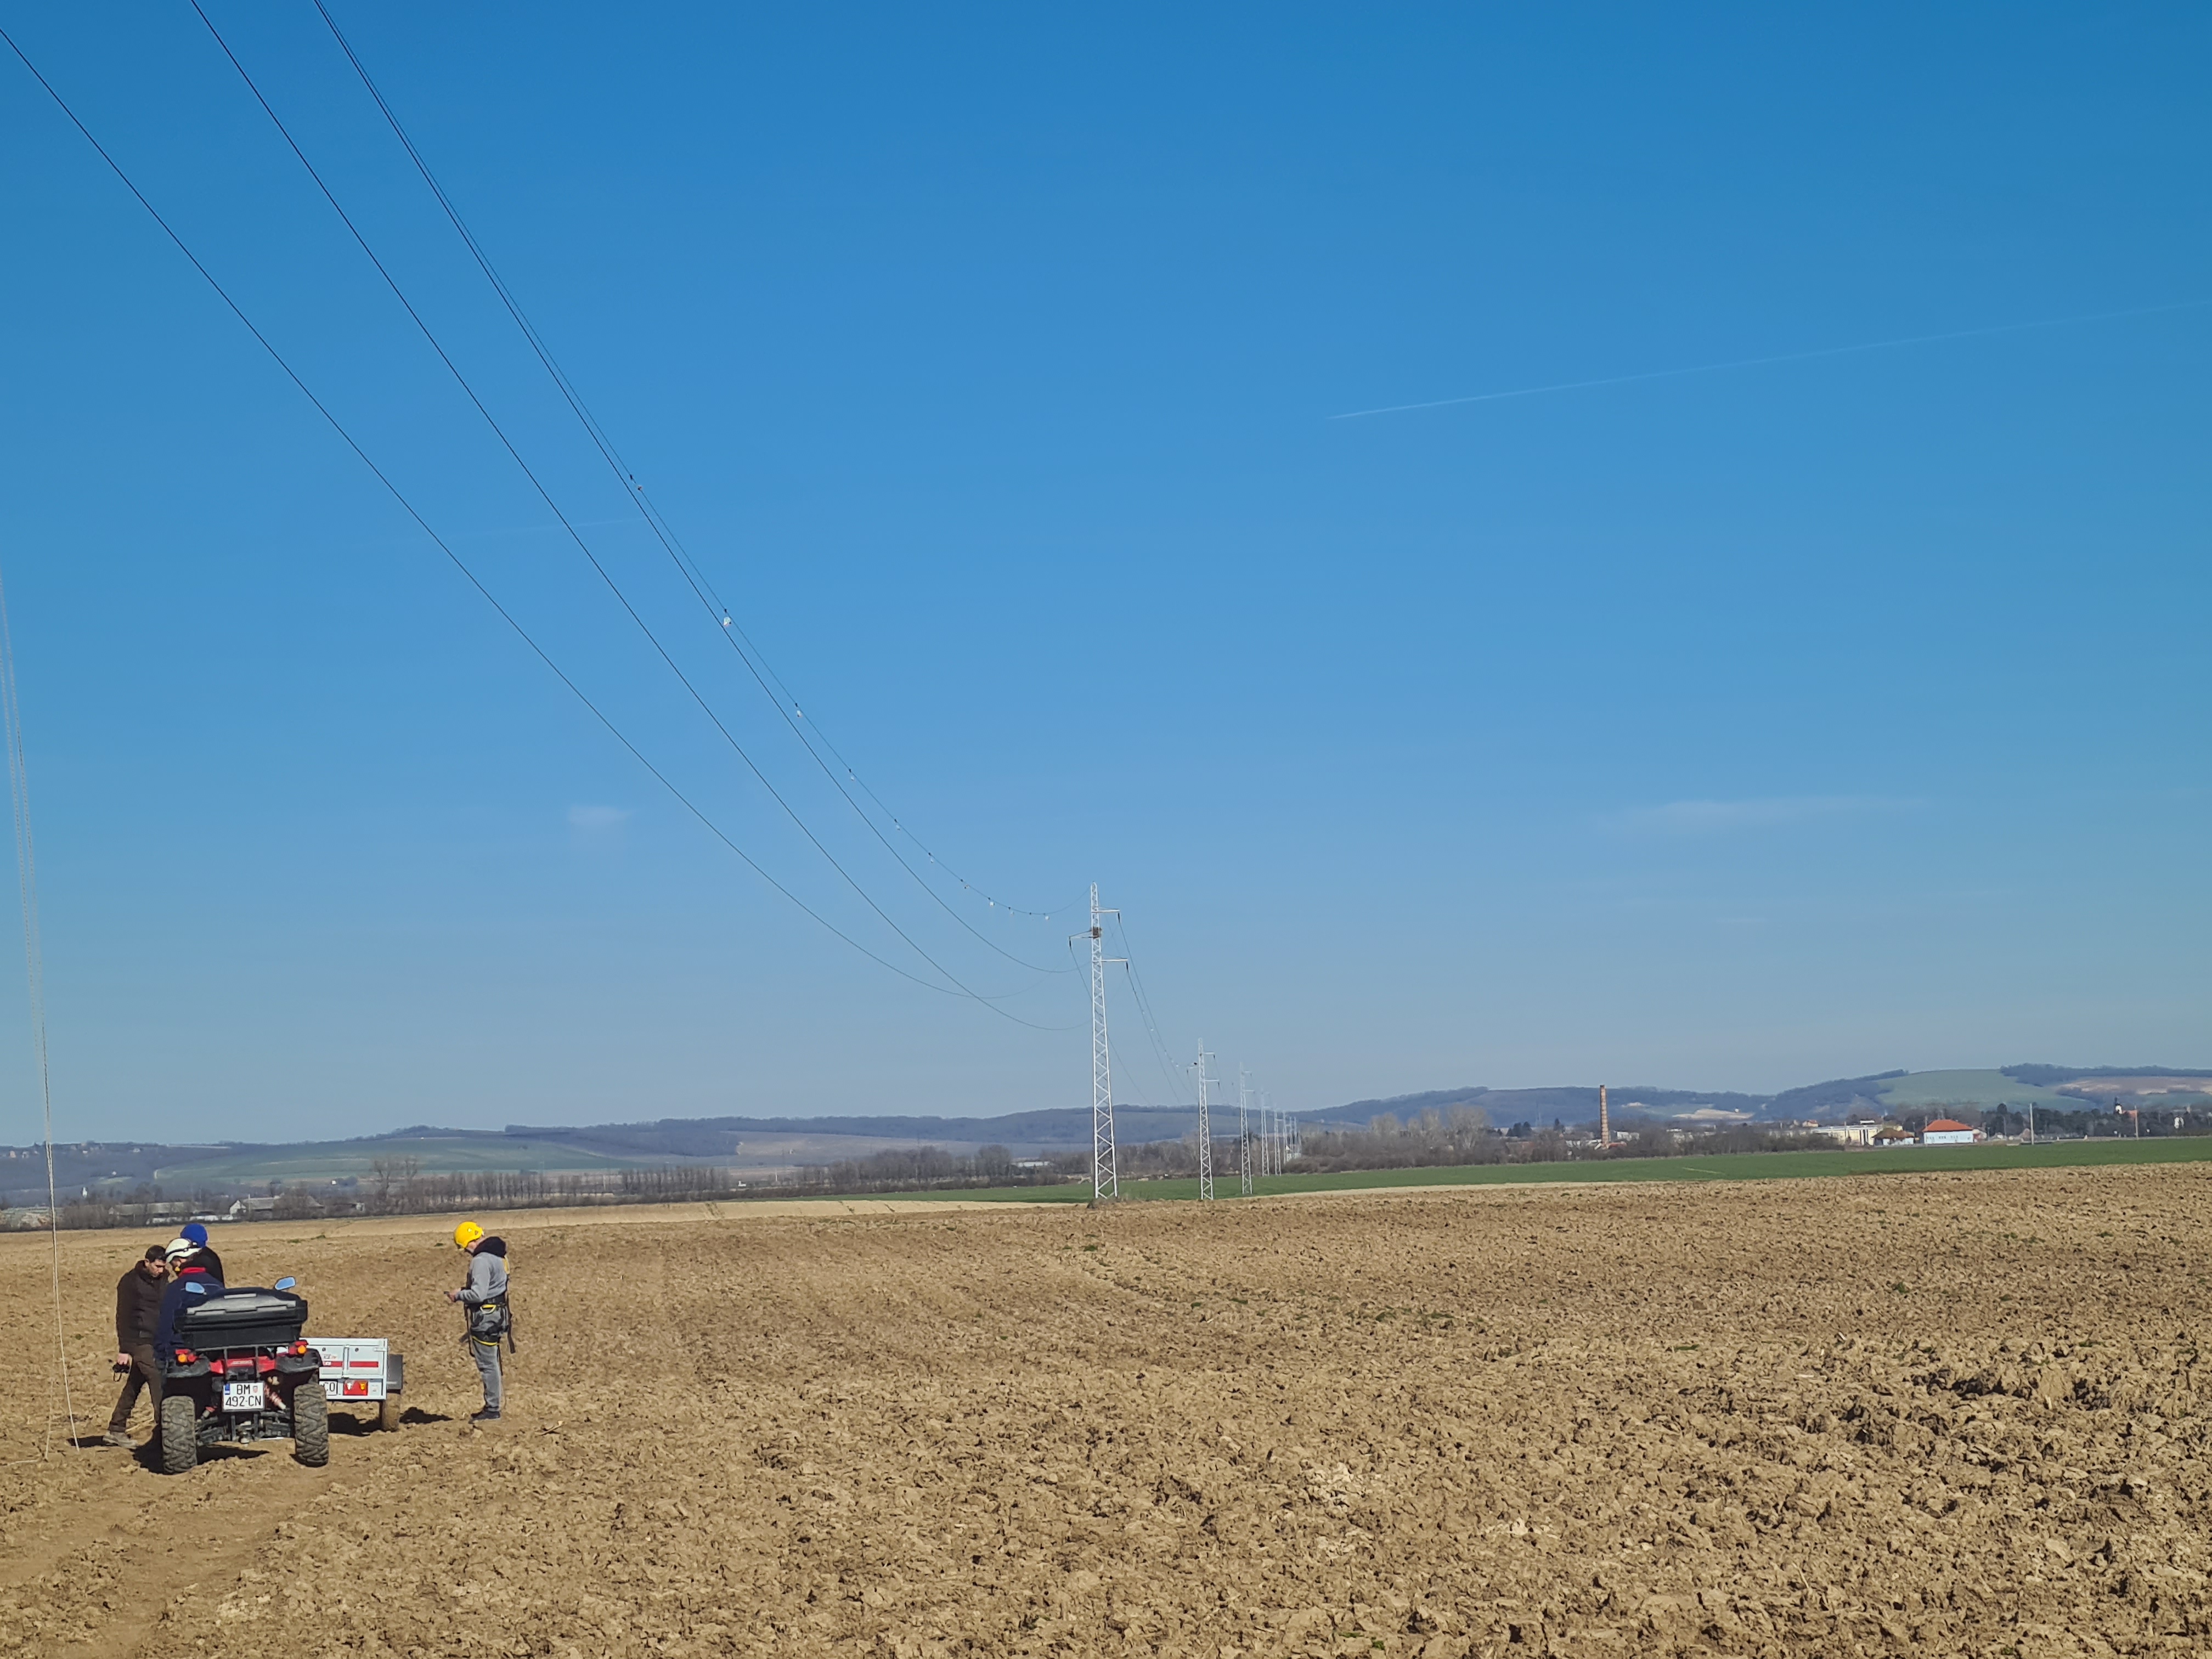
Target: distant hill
(2064, 1087)
(779, 1143)
(1976, 1089)
(1819, 1100)
(2138, 1086)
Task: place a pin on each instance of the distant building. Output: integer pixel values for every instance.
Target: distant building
(149, 1215)
(1893, 1134)
(1848, 1134)
(1949, 1132)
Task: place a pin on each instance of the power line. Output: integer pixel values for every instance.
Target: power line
(1169, 1069)
(748, 652)
(523, 633)
(582, 546)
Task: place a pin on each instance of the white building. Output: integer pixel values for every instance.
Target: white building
(1949, 1132)
(1848, 1134)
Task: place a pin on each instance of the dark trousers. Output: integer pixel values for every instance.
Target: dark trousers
(142, 1376)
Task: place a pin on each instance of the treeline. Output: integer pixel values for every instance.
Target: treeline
(1439, 1139)
(2090, 1123)
(924, 1168)
(401, 1187)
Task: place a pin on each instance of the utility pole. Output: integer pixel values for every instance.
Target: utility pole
(1604, 1119)
(1105, 1180)
(1205, 1128)
(1244, 1137)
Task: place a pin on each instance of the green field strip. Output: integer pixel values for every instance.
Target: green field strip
(1728, 1166)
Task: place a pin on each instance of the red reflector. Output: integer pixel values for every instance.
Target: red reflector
(359, 1388)
(364, 1364)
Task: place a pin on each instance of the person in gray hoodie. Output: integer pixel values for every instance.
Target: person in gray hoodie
(485, 1298)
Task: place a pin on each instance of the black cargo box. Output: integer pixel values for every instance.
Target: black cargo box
(242, 1318)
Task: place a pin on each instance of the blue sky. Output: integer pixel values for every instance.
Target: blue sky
(1731, 730)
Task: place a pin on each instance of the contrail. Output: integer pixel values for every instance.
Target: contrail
(1785, 357)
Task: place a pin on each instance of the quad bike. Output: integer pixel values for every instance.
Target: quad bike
(239, 1370)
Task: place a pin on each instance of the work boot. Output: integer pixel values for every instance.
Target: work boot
(117, 1437)
(487, 1415)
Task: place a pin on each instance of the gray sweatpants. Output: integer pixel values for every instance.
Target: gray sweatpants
(487, 1358)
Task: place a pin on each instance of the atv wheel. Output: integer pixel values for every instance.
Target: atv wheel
(387, 1411)
(311, 1424)
(177, 1430)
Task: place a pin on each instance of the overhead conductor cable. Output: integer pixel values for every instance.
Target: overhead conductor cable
(459, 564)
(702, 588)
(583, 547)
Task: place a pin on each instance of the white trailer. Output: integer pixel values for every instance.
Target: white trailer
(362, 1371)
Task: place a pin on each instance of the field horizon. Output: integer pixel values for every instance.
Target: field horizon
(767, 1146)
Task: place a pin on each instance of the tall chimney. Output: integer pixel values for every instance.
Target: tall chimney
(1604, 1119)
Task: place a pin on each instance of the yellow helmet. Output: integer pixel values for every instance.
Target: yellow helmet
(467, 1234)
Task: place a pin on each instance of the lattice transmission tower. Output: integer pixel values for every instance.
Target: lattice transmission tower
(1244, 1147)
(1105, 1179)
(1205, 1126)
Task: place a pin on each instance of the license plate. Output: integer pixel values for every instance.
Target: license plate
(245, 1397)
(333, 1391)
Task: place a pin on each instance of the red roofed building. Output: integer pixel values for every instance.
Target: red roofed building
(1946, 1132)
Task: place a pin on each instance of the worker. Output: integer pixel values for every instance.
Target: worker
(137, 1306)
(192, 1233)
(192, 1271)
(485, 1298)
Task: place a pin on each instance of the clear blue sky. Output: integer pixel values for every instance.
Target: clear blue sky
(1728, 730)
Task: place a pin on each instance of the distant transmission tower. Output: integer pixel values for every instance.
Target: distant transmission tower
(1244, 1148)
(1205, 1128)
(1105, 1181)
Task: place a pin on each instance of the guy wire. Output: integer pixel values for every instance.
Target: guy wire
(19, 790)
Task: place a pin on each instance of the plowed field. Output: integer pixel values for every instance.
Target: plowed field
(1934, 1414)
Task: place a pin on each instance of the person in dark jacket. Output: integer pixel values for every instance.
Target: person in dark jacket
(137, 1307)
(192, 1233)
(191, 1273)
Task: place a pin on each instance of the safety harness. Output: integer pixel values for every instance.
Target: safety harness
(486, 1331)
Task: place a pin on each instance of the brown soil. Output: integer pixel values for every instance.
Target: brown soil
(1935, 1414)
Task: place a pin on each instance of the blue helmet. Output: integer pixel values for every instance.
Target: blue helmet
(196, 1233)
